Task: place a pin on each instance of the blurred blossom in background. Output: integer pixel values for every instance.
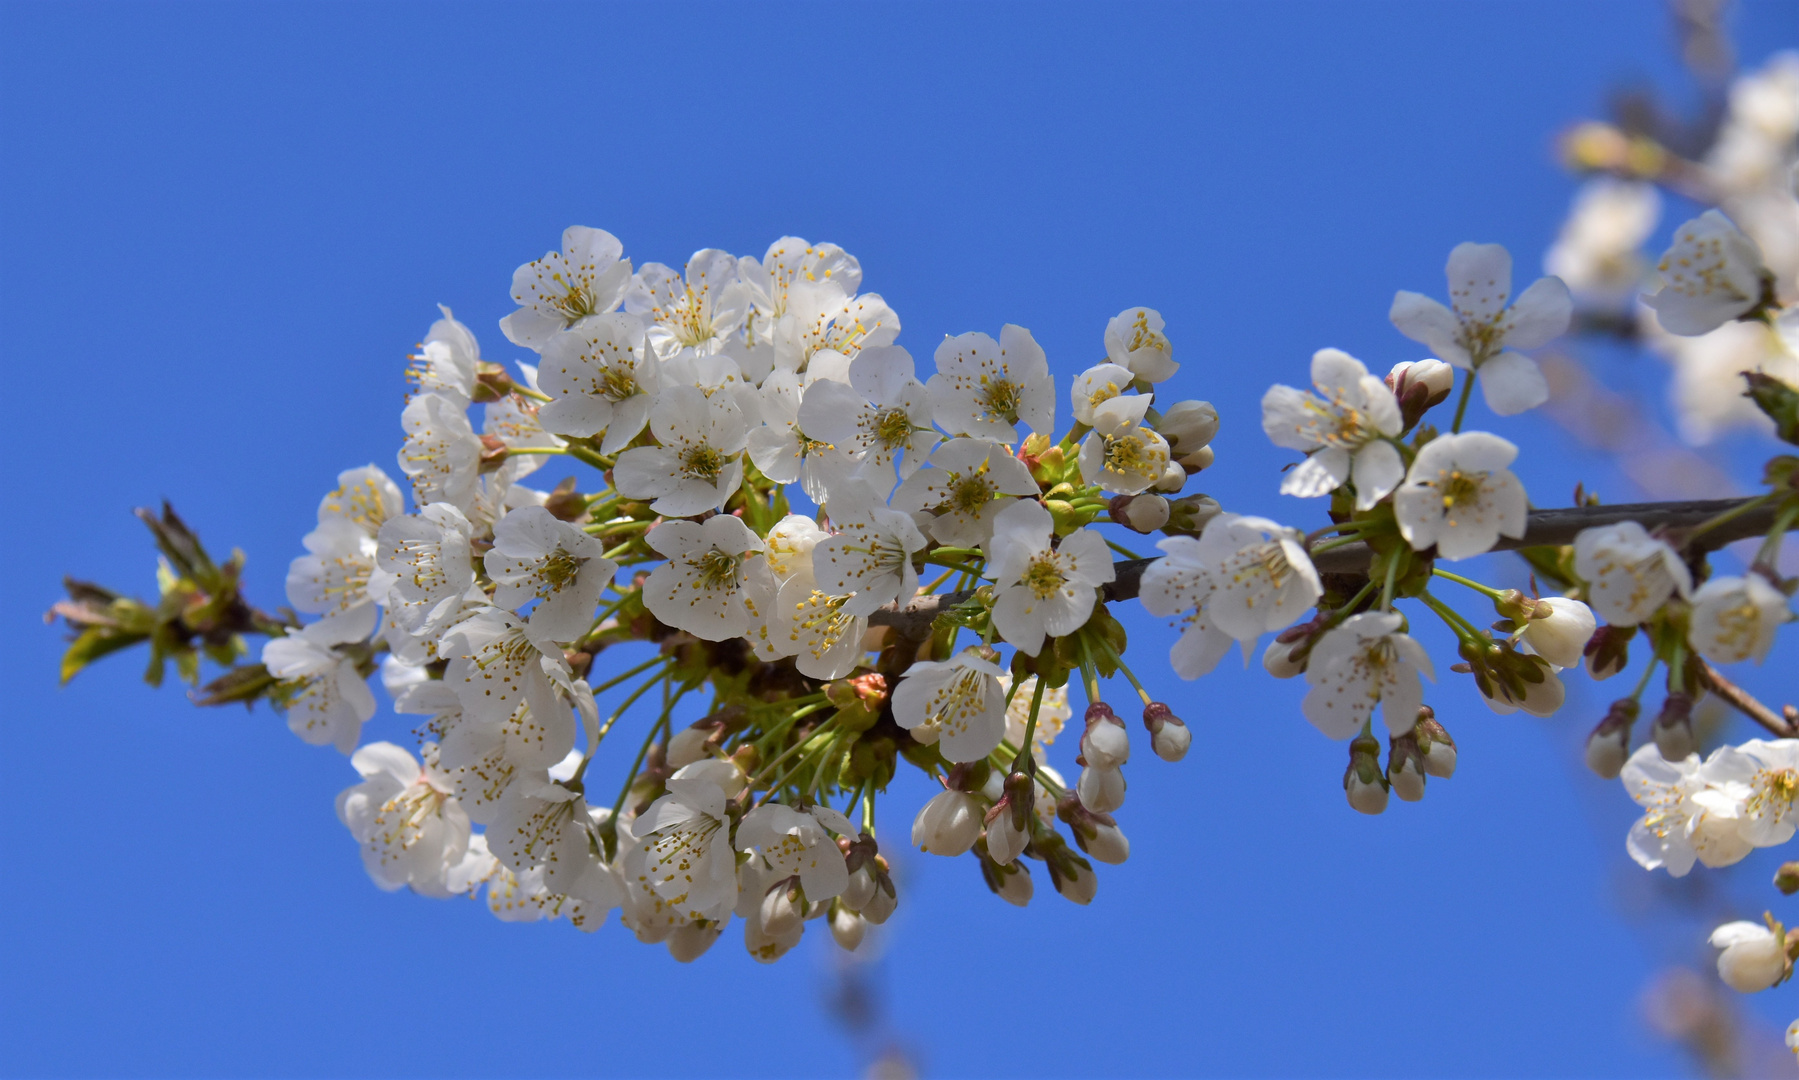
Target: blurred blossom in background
(224, 226)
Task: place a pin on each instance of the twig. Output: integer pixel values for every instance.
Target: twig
(1745, 702)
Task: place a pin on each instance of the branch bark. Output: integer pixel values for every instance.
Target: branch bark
(1545, 527)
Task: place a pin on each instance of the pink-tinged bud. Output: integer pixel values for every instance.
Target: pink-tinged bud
(1363, 782)
(1279, 659)
(1168, 736)
(1140, 513)
(847, 927)
(1101, 790)
(1106, 745)
(689, 941)
(780, 913)
(1674, 728)
(1188, 426)
(881, 905)
(948, 825)
(1198, 461)
(1608, 747)
(1405, 768)
(1434, 743)
(1437, 378)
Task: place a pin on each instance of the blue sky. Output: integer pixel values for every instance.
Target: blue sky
(222, 228)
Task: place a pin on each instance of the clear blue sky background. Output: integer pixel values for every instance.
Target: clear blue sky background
(222, 228)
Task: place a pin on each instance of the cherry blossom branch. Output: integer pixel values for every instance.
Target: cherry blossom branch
(1746, 703)
(1545, 527)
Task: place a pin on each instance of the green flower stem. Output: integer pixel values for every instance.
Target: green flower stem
(1729, 515)
(516, 450)
(1770, 549)
(1119, 660)
(614, 681)
(1126, 552)
(1643, 683)
(1030, 726)
(1386, 591)
(526, 392)
(1461, 407)
(1463, 629)
(643, 751)
(792, 750)
(1460, 580)
(588, 456)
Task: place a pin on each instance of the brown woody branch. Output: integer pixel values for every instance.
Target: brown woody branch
(1544, 528)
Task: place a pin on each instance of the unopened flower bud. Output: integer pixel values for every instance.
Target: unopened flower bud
(1786, 879)
(1608, 747)
(779, 912)
(1364, 782)
(1011, 882)
(1188, 425)
(767, 947)
(1190, 514)
(1101, 790)
(1674, 728)
(1405, 768)
(1006, 836)
(567, 504)
(861, 888)
(1140, 513)
(1106, 745)
(689, 941)
(1174, 478)
(1754, 956)
(1097, 834)
(1434, 743)
(1558, 630)
(1278, 659)
(689, 745)
(1608, 651)
(1419, 385)
(1072, 875)
(847, 927)
(1168, 736)
(491, 382)
(947, 825)
(1198, 461)
(881, 905)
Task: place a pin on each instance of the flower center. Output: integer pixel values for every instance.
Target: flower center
(1460, 488)
(892, 429)
(969, 493)
(559, 569)
(702, 462)
(1044, 577)
(1127, 454)
(575, 304)
(618, 383)
(717, 569)
(1000, 397)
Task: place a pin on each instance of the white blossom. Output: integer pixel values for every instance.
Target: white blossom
(1483, 332)
(499, 662)
(1262, 579)
(1040, 590)
(514, 421)
(815, 627)
(1755, 784)
(1460, 496)
(326, 699)
(823, 321)
(1096, 386)
(1629, 574)
(786, 454)
(601, 377)
(1362, 662)
(447, 362)
(537, 558)
(882, 416)
(1754, 958)
(404, 815)
(698, 465)
(1342, 427)
(1134, 340)
(1674, 831)
(1711, 275)
(715, 580)
(791, 261)
(696, 310)
(1121, 455)
(794, 843)
(1180, 583)
(1598, 254)
(587, 277)
(1734, 618)
(985, 388)
(1053, 712)
(686, 852)
(338, 577)
(441, 453)
(962, 698)
(870, 555)
(427, 556)
(970, 481)
(790, 543)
